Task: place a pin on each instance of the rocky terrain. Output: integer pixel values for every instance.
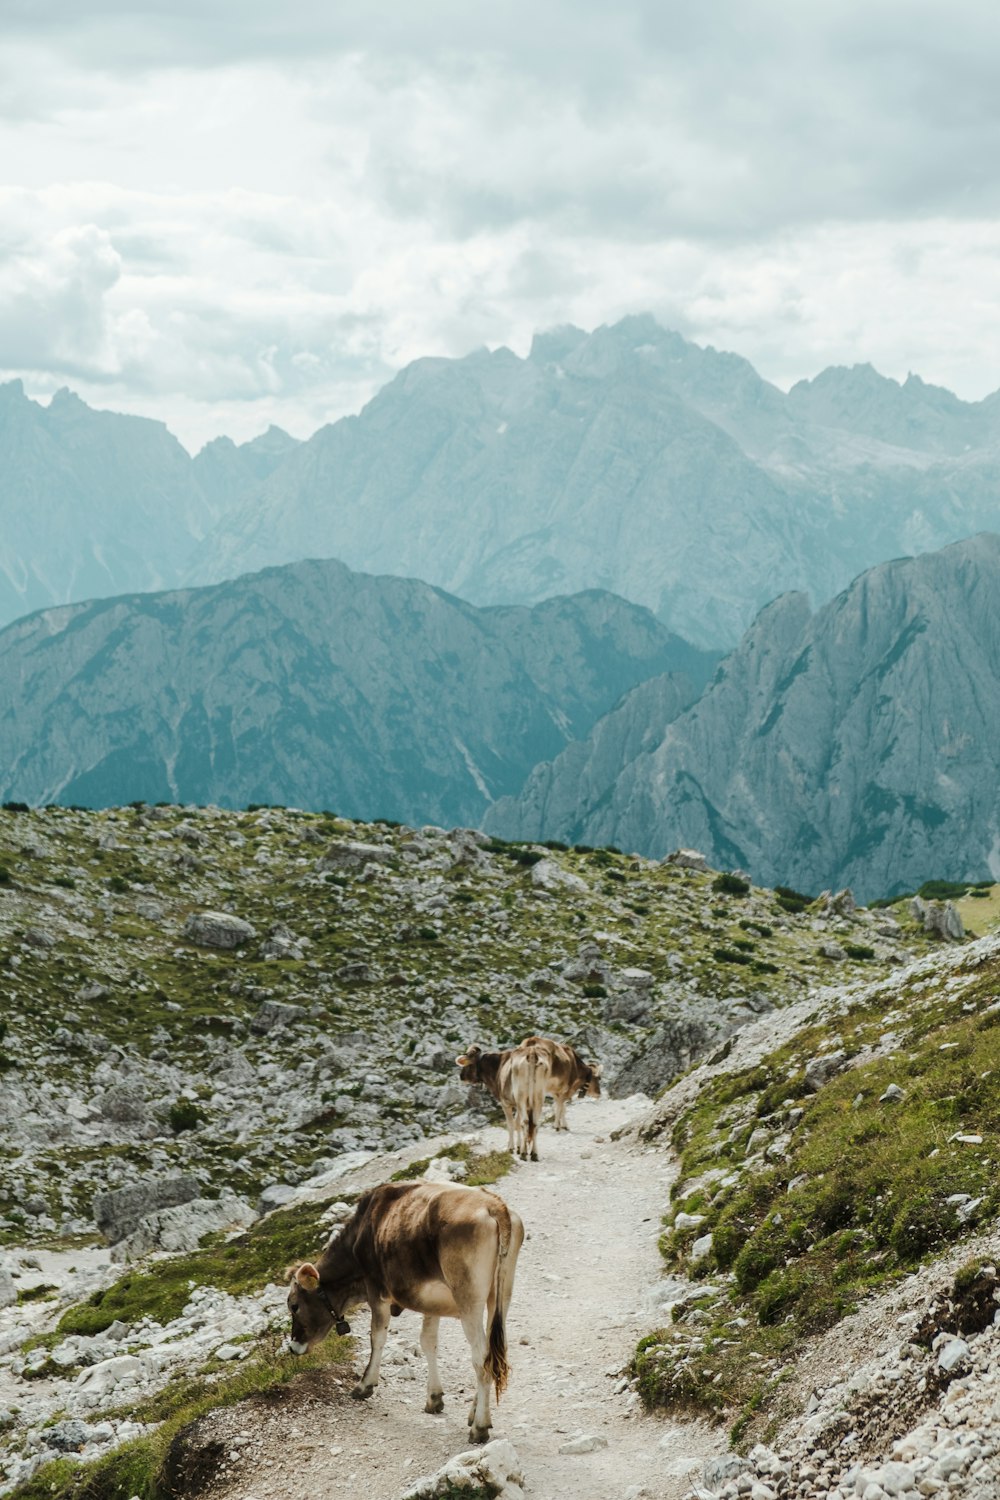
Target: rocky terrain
(315, 686)
(209, 1015)
(850, 746)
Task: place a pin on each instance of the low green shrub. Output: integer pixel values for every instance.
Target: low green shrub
(729, 884)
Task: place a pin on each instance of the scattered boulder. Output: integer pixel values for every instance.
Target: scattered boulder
(583, 1442)
(8, 1289)
(549, 876)
(893, 1094)
(119, 1212)
(940, 918)
(124, 1103)
(688, 859)
(352, 855)
(218, 929)
(493, 1470)
(820, 1069)
(181, 1229)
(274, 1014)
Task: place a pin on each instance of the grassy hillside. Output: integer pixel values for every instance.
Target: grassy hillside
(818, 1169)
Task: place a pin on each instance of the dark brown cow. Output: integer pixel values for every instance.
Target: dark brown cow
(492, 1070)
(443, 1251)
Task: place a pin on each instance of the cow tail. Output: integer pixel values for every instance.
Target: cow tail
(497, 1368)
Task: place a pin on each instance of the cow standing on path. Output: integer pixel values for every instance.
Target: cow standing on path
(492, 1070)
(520, 1078)
(443, 1251)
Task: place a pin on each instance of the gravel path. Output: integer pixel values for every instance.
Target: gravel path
(585, 1286)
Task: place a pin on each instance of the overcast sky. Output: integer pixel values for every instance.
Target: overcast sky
(231, 212)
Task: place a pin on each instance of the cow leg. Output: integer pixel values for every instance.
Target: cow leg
(380, 1329)
(479, 1412)
(561, 1114)
(510, 1117)
(429, 1344)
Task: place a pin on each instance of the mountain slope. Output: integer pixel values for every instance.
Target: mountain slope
(856, 745)
(632, 460)
(311, 685)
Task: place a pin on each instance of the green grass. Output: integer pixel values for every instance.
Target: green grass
(138, 1468)
(238, 1266)
(858, 1198)
(483, 1167)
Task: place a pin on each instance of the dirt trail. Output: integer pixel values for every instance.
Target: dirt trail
(585, 1284)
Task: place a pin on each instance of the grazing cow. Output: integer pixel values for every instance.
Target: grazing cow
(492, 1070)
(443, 1251)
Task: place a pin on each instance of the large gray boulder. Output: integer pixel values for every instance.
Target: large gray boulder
(8, 1289)
(118, 1212)
(218, 929)
(353, 855)
(182, 1228)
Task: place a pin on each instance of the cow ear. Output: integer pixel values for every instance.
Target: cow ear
(307, 1277)
(462, 1060)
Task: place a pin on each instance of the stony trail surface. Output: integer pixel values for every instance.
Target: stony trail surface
(586, 1280)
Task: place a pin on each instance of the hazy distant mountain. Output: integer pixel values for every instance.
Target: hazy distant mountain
(227, 473)
(315, 686)
(92, 502)
(627, 459)
(858, 745)
(632, 460)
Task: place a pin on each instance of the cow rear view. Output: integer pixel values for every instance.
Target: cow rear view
(529, 1071)
(443, 1251)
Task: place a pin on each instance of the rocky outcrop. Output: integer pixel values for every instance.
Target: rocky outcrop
(119, 1212)
(831, 749)
(218, 929)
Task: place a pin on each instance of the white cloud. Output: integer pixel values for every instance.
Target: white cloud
(228, 214)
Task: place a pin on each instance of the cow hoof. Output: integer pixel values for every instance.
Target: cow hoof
(534, 1156)
(362, 1392)
(479, 1434)
(435, 1405)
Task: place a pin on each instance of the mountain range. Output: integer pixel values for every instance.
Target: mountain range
(858, 744)
(628, 459)
(313, 686)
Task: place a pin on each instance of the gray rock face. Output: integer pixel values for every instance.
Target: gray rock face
(182, 1227)
(124, 1103)
(8, 1288)
(939, 917)
(274, 1014)
(315, 687)
(218, 929)
(119, 1212)
(631, 459)
(831, 749)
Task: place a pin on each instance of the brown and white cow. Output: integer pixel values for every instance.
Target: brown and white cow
(492, 1071)
(442, 1250)
(529, 1071)
(570, 1078)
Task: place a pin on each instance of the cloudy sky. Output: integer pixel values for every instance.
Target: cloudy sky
(231, 212)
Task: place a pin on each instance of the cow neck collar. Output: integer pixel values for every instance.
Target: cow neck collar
(340, 1323)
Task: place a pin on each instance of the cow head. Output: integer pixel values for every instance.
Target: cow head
(590, 1081)
(315, 1308)
(468, 1064)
